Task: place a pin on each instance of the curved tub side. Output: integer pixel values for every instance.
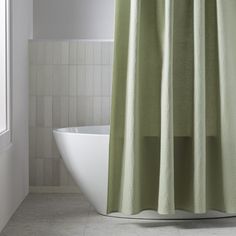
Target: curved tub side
(86, 157)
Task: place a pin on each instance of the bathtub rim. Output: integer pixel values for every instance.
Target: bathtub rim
(72, 130)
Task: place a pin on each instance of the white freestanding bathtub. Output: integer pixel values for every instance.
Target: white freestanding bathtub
(85, 153)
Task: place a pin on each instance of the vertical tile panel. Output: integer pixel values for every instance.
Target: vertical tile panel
(39, 172)
(107, 52)
(32, 52)
(48, 53)
(97, 53)
(81, 110)
(43, 50)
(73, 52)
(47, 177)
(89, 80)
(60, 80)
(63, 174)
(97, 83)
(56, 172)
(61, 53)
(88, 52)
(32, 175)
(106, 105)
(81, 52)
(32, 142)
(85, 110)
(89, 111)
(73, 111)
(44, 80)
(32, 80)
(32, 111)
(106, 80)
(43, 142)
(97, 110)
(44, 111)
(60, 111)
(81, 80)
(51, 172)
(64, 115)
(40, 53)
(72, 80)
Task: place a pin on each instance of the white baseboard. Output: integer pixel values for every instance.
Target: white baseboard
(54, 189)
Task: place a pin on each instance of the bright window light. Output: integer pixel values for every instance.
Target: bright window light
(3, 77)
(4, 74)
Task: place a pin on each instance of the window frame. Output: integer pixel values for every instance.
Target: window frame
(5, 136)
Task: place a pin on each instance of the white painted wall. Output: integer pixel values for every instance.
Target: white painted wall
(14, 159)
(73, 19)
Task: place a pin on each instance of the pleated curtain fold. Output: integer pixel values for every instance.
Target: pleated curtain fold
(173, 123)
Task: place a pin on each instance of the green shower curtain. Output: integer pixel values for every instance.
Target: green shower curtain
(173, 125)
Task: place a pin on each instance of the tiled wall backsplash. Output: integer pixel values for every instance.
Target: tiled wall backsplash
(70, 85)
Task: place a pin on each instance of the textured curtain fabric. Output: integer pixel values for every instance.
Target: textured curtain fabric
(173, 127)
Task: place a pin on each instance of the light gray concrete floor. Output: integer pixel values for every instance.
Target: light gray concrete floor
(72, 215)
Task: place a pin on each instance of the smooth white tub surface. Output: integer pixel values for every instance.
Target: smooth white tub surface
(85, 153)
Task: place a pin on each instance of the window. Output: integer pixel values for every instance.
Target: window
(4, 74)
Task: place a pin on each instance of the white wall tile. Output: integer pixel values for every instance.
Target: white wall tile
(47, 172)
(43, 142)
(48, 49)
(73, 111)
(64, 174)
(44, 111)
(81, 52)
(32, 80)
(70, 85)
(60, 80)
(61, 53)
(106, 109)
(97, 80)
(81, 80)
(51, 172)
(89, 57)
(85, 110)
(60, 111)
(39, 172)
(72, 80)
(32, 111)
(42, 53)
(44, 80)
(107, 51)
(73, 52)
(106, 80)
(32, 174)
(32, 52)
(32, 142)
(81, 110)
(97, 53)
(89, 80)
(97, 110)
(55, 172)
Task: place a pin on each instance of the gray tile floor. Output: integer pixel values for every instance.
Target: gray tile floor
(71, 214)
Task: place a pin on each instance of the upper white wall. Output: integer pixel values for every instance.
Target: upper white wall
(73, 19)
(14, 176)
